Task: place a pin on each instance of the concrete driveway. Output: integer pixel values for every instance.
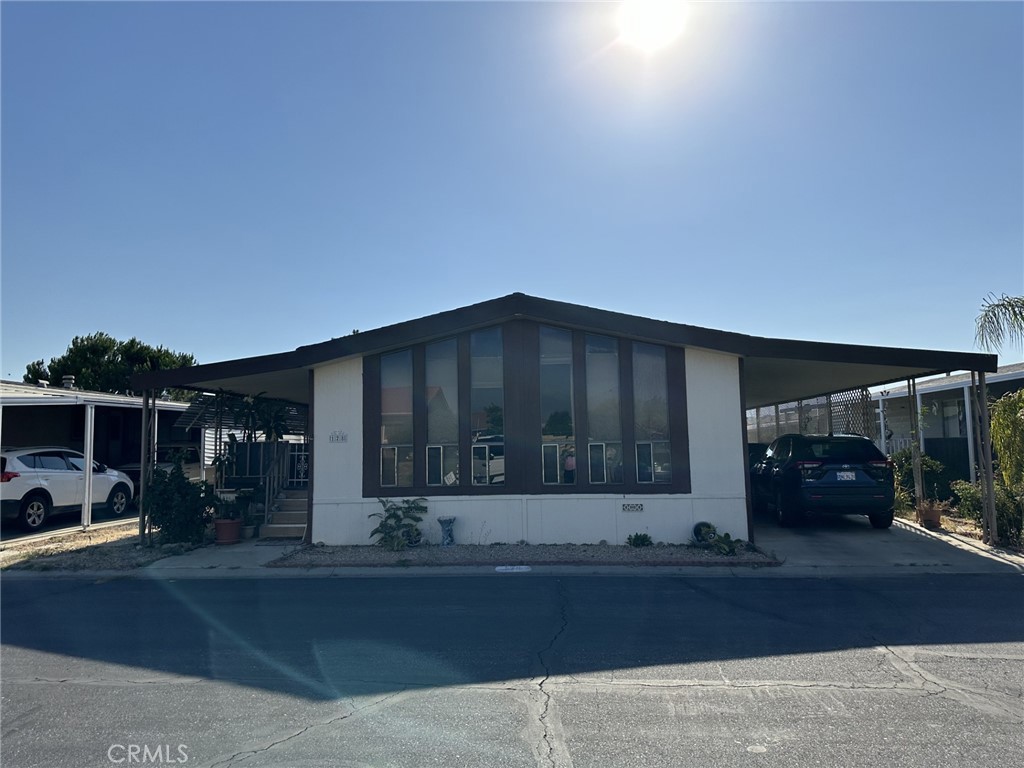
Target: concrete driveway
(839, 545)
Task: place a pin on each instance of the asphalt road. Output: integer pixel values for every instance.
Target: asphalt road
(514, 670)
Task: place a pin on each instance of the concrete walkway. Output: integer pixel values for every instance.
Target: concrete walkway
(849, 546)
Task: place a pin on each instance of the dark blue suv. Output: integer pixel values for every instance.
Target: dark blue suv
(842, 474)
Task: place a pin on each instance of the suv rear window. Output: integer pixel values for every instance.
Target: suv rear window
(847, 451)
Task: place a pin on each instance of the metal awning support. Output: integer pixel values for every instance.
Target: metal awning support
(146, 458)
(90, 434)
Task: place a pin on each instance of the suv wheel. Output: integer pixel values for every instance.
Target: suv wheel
(35, 508)
(881, 520)
(787, 515)
(119, 499)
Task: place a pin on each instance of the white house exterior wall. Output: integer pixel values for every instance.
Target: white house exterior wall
(717, 467)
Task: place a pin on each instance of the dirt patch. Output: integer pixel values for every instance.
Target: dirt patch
(106, 549)
(517, 554)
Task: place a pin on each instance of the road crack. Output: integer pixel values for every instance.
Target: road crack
(552, 749)
(982, 699)
(243, 754)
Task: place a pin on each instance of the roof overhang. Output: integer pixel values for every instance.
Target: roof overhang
(774, 371)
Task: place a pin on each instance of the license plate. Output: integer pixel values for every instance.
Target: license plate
(846, 475)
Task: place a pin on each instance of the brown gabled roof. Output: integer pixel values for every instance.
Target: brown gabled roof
(775, 370)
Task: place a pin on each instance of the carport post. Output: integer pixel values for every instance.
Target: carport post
(881, 425)
(144, 457)
(776, 421)
(828, 409)
(915, 444)
(920, 432)
(90, 430)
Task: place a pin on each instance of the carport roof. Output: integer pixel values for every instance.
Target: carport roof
(774, 370)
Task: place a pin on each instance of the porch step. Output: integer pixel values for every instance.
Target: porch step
(289, 517)
(292, 505)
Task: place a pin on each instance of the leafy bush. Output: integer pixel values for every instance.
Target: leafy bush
(1009, 508)
(1008, 438)
(178, 507)
(933, 474)
(1009, 514)
(967, 498)
(398, 527)
(639, 540)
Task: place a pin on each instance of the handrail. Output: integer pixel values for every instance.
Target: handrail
(272, 475)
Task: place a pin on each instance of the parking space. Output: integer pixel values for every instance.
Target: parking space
(848, 544)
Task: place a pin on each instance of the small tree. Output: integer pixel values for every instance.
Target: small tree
(1007, 425)
(179, 507)
(1001, 320)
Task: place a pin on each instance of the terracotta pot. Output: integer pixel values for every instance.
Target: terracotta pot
(228, 531)
(929, 516)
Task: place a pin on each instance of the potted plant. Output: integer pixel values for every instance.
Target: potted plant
(227, 523)
(252, 512)
(929, 513)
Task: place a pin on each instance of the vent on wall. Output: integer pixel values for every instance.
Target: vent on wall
(632, 507)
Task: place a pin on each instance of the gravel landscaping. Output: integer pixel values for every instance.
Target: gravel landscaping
(104, 549)
(517, 554)
(117, 549)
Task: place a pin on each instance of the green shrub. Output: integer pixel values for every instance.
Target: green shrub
(398, 527)
(933, 472)
(1009, 508)
(639, 540)
(967, 498)
(1009, 513)
(178, 507)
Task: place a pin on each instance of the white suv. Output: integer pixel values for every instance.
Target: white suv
(38, 482)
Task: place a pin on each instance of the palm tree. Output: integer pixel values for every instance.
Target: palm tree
(1001, 320)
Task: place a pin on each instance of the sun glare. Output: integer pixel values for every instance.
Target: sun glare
(651, 25)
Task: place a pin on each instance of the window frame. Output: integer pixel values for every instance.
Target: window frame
(522, 415)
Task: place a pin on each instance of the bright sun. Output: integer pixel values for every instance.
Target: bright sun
(651, 25)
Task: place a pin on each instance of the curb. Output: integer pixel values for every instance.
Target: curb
(964, 543)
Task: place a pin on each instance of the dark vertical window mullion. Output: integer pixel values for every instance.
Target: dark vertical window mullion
(626, 404)
(580, 420)
(419, 416)
(465, 409)
(371, 426)
(522, 406)
(676, 373)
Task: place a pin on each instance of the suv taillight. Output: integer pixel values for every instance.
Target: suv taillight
(6, 477)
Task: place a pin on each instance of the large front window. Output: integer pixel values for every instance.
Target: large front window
(604, 424)
(526, 408)
(442, 396)
(558, 444)
(650, 415)
(396, 441)
(487, 406)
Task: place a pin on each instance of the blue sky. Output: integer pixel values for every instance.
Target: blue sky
(237, 179)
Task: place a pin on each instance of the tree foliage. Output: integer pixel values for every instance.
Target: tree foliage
(1007, 425)
(101, 363)
(1001, 321)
